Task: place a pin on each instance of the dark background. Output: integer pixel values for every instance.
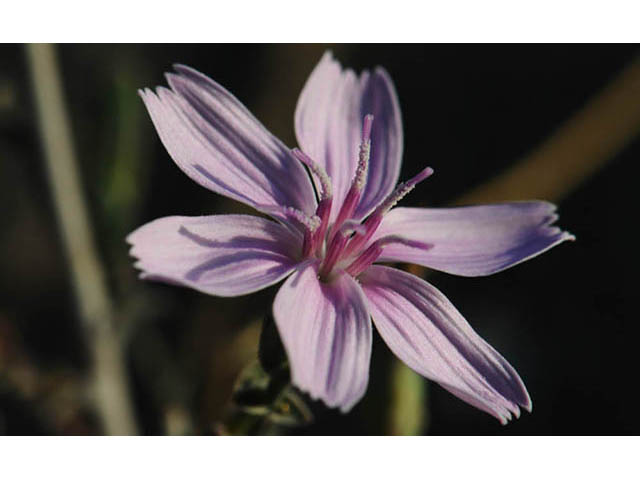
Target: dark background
(565, 320)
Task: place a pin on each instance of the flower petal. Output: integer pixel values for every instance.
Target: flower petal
(426, 332)
(216, 141)
(328, 123)
(472, 241)
(326, 332)
(224, 255)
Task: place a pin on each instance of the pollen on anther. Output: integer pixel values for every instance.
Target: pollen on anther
(318, 171)
(363, 165)
(364, 153)
(402, 190)
(311, 223)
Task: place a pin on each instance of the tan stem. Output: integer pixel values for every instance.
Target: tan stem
(575, 151)
(109, 379)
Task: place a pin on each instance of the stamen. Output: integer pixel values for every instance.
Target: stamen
(373, 222)
(318, 171)
(309, 222)
(323, 211)
(373, 252)
(336, 245)
(364, 153)
(359, 240)
(294, 219)
(285, 213)
(359, 181)
(352, 226)
(326, 198)
(365, 259)
(348, 207)
(401, 191)
(308, 243)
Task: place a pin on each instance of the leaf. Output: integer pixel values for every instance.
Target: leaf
(291, 410)
(264, 401)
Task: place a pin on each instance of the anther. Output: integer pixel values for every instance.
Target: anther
(325, 201)
(364, 154)
(373, 222)
(308, 243)
(402, 190)
(318, 171)
(360, 179)
(309, 222)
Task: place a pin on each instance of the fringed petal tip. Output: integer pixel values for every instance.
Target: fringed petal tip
(523, 402)
(475, 240)
(423, 328)
(219, 144)
(222, 255)
(513, 414)
(526, 405)
(551, 218)
(149, 95)
(547, 227)
(181, 67)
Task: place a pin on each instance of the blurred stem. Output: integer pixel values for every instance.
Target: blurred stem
(109, 380)
(264, 402)
(409, 390)
(123, 182)
(585, 143)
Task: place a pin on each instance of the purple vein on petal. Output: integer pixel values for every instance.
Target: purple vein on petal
(473, 241)
(425, 330)
(225, 255)
(219, 144)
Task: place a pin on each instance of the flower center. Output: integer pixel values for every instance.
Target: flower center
(344, 245)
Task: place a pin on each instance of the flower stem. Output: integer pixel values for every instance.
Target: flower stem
(264, 401)
(108, 375)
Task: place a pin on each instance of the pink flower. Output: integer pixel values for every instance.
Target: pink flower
(332, 224)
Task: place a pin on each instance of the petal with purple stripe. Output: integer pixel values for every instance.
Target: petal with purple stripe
(328, 123)
(326, 332)
(472, 241)
(216, 141)
(423, 328)
(224, 255)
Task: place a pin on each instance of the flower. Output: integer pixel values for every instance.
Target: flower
(333, 221)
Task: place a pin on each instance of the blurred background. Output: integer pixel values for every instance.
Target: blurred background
(87, 348)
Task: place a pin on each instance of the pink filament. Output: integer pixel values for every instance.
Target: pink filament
(348, 236)
(333, 254)
(318, 171)
(401, 191)
(365, 259)
(371, 254)
(373, 222)
(313, 239)
(323, 211)
(357, 185)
